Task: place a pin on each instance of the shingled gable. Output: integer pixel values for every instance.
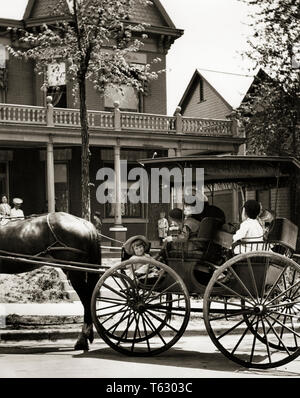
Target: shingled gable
(155, 15)
(231, 92)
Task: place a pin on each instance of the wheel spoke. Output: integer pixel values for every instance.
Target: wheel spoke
(234, 292)
(285, 327)
(160, 310)
(112, 314)
(222, 302)
(135, 331)
(148, 320)
(114, 291)
(266, 338)
(146, 334)
(274, 284)
(282, 293)
(110, 306)
(118, 322)
(283, 304)
(155, 284)
(241, 312)
(254, 341)
(250, 269)
(266, 266)
(163, 292)
(121, 320)
(293, 326)
(281, 342)
(227, 331)
(241, 283)
(162, 320)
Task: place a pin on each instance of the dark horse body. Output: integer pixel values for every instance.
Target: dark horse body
(60, 236)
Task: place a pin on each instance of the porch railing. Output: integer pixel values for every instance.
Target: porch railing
(117, 120)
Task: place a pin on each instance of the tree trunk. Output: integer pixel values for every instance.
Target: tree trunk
(85, 153)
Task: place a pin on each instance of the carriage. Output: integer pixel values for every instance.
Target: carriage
(250, 302)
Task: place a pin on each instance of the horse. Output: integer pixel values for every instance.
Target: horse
(60, 236)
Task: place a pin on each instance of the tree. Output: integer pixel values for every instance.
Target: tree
(95, 38)
(270, 111)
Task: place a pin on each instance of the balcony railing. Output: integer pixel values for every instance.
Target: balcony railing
(117, 120)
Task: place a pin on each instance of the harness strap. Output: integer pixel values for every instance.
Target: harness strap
(62, 247)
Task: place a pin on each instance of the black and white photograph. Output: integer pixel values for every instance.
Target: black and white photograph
(150, 194)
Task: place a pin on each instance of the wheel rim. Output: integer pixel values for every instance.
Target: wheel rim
(259, 310)
(137, 314)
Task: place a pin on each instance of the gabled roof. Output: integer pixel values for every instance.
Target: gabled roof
(37, 8)
(231, 87)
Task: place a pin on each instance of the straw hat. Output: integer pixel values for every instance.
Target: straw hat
(17, 201)
(128, 245)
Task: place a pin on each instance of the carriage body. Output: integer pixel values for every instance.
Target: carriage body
(255, 290)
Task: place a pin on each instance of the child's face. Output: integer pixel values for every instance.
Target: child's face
(139, 250)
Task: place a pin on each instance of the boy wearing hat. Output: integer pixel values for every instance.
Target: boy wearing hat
(250, 228)
(16, 211)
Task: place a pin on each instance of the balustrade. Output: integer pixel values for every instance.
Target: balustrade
(118, 120)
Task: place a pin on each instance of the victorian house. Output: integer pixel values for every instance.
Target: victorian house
(40, 141)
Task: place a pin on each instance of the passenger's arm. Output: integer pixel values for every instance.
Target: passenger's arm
(241, 233)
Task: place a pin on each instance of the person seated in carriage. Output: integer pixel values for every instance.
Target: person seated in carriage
(139, 246)
(250, 229)
(187, 240)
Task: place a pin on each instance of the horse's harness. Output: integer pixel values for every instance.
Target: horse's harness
(58, 244)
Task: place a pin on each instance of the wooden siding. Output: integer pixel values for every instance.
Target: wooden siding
(212, 107)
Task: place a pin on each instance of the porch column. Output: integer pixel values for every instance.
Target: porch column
(118, 229)
(178, 150)
(50, 176)
(235, 205)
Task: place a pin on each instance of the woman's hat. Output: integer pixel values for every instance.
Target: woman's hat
(17, 201)
(128, 245)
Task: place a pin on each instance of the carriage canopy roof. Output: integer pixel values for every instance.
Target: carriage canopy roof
(246, 170)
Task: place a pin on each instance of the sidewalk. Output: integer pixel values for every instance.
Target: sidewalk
(56, 321)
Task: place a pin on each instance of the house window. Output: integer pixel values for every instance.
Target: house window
(130, 99)
(56, 79)
(128, 209)
(201, 90)
(127, 97)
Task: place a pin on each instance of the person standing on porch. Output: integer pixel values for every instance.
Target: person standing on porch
(16, 211)
(5, 208)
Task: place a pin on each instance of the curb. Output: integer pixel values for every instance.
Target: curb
(196, 327)
(54, 335)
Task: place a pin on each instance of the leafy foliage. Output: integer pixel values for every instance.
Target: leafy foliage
(95, 39)
(270, 111)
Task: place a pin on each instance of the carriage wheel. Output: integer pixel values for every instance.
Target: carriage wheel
(140, 311)
(255, 321)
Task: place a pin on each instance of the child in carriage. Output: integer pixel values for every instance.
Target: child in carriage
(138, 246)
(250, 229)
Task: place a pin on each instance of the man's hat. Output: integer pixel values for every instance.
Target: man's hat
(17, 201)
(128, 245)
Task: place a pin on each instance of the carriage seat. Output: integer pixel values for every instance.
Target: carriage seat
(209, 233)
(284, 233)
